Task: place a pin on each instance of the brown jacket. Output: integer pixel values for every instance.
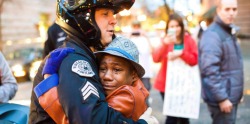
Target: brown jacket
(129, 100)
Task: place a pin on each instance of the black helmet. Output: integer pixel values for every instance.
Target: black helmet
(76, 17)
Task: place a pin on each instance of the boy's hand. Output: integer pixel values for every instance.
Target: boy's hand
(55, 59)
(148, 117)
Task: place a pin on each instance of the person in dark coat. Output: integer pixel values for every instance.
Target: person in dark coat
(221, 65)
(56, 37)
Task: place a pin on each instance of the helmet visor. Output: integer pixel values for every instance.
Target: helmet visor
(73, 4)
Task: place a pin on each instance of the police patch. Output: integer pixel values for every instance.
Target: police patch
(82, 68)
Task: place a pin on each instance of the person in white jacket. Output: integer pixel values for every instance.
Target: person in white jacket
(144, 46)
(8, 83)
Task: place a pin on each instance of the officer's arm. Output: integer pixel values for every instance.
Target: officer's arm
(82, 97)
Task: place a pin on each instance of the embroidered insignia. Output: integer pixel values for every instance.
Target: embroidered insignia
(89, 89)
(82, 68)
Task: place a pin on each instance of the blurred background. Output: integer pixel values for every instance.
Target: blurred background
(24, 25)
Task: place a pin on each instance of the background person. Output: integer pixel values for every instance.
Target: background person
(56, 37)
(187, 51)
(8, 83)
(221, 65)
(144, 47)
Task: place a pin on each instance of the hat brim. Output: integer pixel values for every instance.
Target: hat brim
(139, 69)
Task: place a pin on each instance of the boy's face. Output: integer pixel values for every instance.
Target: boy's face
(106, 22)
(115, 72)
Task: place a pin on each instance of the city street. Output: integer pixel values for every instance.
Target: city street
(23, 96)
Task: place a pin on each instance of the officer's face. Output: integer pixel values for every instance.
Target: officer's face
(115, 72)
(106, 21)
(227, 10)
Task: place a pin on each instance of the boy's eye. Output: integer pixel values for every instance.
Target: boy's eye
(117, 70)
(102, 69)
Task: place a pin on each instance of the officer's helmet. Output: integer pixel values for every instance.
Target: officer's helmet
(76, 17)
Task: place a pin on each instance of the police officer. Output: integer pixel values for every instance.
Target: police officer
(89, 25)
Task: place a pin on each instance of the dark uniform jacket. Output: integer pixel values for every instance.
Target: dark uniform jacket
(221, 64)
(79, 91)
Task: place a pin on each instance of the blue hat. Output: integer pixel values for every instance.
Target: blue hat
(125, 48)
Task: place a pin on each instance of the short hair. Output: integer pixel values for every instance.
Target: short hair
(218, 3)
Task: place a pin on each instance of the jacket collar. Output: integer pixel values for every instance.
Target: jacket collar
(231, 28)
(78, 43)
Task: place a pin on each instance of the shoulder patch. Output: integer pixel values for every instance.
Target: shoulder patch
(82, 68)
(89, 89)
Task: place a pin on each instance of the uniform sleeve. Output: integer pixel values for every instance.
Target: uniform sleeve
(210, 53)
(82, 96)
(8, 87)
(160, 53)
(190, 51)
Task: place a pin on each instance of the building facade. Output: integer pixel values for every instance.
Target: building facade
(243, 18)
(22, 19)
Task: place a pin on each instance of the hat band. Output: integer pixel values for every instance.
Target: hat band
(121, 51)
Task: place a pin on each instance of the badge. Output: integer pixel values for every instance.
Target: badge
(89, 89)
(82, 68)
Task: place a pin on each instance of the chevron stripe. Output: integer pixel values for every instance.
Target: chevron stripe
(89, 89)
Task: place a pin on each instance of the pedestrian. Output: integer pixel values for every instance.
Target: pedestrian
(221, 65)
(8, 89)
(144, 47)
(176, 44)
(56, 37)
(120, 75)
(8, 83)
(89, 26)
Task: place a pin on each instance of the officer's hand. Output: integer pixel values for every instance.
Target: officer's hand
(148, 118)
(55, 59)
